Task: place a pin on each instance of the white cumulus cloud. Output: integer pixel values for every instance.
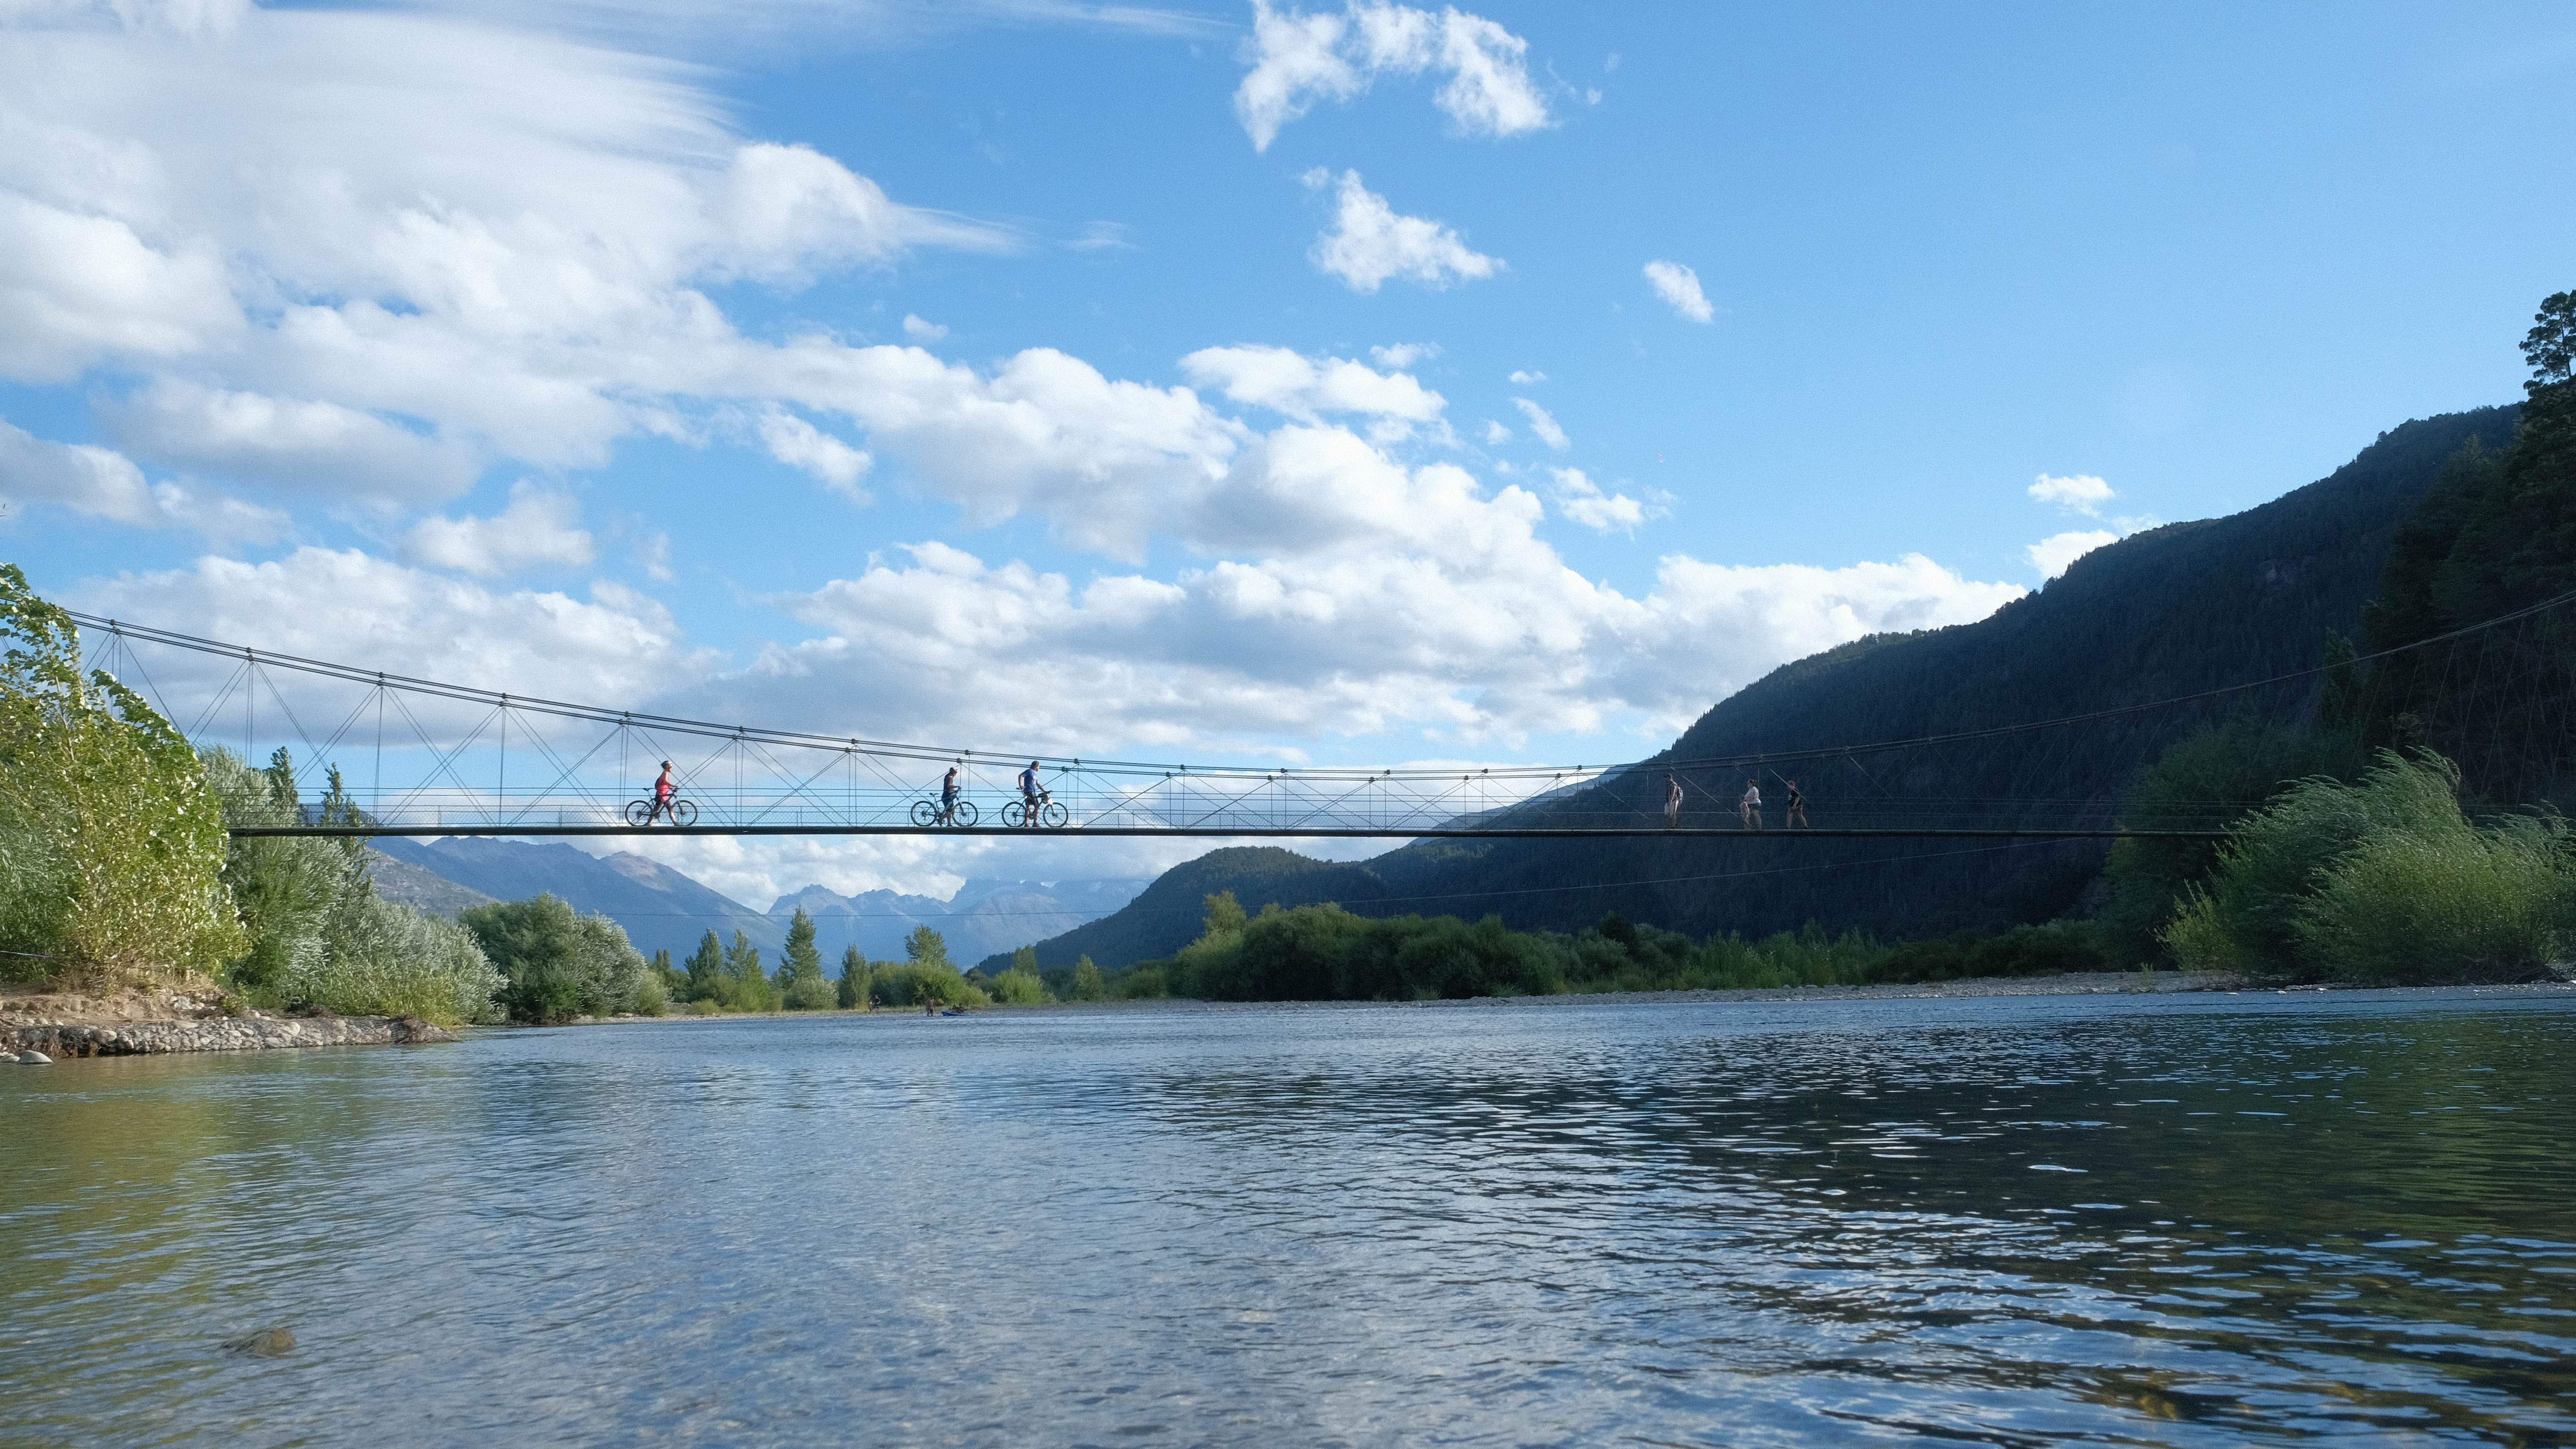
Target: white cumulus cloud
(536, 530)
(349, 606)
(1678, 285)
(1370, 243)
(1297, 58)
(1581, 499)
(102, 483)
(799, 444)
(2082, 492)
(1290, 383)
(458, 244)
(921, 331)
(2052, 554)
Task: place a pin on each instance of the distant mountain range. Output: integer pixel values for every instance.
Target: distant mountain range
(2164, 614)
(662, 908)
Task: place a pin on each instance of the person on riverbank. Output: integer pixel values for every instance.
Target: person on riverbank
(1752, 804)
(1797, 809)
(1672, 802)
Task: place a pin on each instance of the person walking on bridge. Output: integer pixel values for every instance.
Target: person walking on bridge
(1752, 804)
(663, 789)
(1797, 809)
(1672, 802)
(948, 795)
(1032, 795)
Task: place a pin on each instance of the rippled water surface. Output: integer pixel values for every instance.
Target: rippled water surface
(2207, 1221)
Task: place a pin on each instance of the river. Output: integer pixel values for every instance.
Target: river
(2212, 1220)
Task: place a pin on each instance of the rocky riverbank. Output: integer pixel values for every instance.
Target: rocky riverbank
(60, 1039)
(148, 1023)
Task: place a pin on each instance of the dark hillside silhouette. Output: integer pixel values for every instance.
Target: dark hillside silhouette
(2180, 609)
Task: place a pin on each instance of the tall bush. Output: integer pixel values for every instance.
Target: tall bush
(318, 935)
(2385, 880)
(111, 847)
(559, 964)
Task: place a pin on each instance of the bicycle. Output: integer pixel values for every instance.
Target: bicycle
(1050, 814)
(641, 813)
(926, 814)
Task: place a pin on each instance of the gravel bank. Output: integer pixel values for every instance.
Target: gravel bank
(59, 1039)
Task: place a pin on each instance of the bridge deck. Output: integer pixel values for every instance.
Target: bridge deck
(1231, 832)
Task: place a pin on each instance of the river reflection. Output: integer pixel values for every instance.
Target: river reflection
(2195, 1221)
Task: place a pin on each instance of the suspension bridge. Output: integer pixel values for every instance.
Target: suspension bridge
(422, 757)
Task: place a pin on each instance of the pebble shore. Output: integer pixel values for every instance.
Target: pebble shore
(216, 1034)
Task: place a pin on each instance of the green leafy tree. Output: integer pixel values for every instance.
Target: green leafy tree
(111, 846)
(852, 992)
(1224, 916)
(558, 963)
(1087, 985)
(318, 934)
(1019, 985)
(926, 947)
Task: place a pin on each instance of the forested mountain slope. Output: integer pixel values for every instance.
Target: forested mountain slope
(2183, 608)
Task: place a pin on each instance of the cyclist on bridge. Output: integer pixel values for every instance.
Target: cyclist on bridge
(663, 789)
(1032, 795)
(948, 795)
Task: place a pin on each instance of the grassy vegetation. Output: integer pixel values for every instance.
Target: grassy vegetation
(2385, 881)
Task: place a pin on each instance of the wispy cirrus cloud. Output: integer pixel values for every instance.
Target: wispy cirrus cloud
(1297, 58)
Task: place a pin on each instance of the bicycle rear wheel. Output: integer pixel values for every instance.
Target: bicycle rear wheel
(1053, 815)
(924, 814)
(965, 813)
(639, 813)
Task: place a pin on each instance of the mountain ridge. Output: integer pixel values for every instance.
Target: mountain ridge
(2160, 615)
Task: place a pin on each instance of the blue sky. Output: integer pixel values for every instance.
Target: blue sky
(1101, 379)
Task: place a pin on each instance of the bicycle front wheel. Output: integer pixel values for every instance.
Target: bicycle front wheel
(965, 813)
(1015, 815)
(639, 813)
(684, 812)
(924, 814)
(1053, 816)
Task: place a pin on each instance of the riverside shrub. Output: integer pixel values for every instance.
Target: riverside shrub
(317, 932)
(111, 847)
(558, 964)
(2385, 881)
